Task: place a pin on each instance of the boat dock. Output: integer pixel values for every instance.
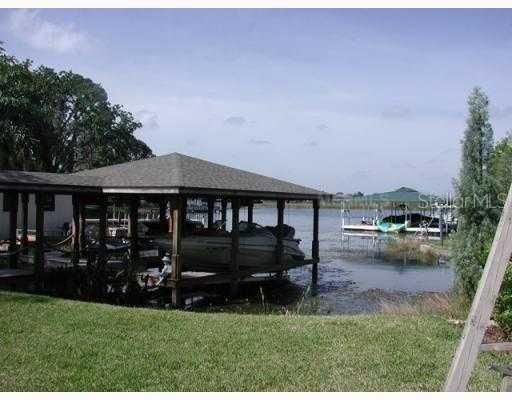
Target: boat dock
(175, 185)
(428, 231)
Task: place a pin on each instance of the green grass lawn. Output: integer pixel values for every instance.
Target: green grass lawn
(54, 344)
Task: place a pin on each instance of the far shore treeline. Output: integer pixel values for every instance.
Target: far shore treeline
(60, 121)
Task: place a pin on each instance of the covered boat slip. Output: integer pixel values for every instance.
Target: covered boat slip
(404, 210)
(169, 181)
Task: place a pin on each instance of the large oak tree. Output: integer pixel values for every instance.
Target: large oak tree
(61, 121)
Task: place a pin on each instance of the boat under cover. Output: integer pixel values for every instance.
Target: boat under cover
(205, 248)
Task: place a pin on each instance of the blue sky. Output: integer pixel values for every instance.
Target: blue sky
(341, 100)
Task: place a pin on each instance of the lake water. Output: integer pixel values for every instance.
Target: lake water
(350, 282)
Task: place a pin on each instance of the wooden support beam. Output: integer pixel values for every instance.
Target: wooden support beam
(76, 230)
(24, 219)
(39, 248)
(184, 212)
(483, 303)
(280, 223)
(133, 228)
(224, 212)
(178, 209)
(211, 209)
(82, 225)
(102, 234)
(498, 347)
(162, 211)
(250, 211)
(13, 225)
(235, 244)
(315, 244)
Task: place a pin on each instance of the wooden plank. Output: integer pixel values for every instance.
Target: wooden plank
(483, 303)
(315, 249)
(220, 268)
(500, 346)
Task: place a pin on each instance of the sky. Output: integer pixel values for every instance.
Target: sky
(339, 100)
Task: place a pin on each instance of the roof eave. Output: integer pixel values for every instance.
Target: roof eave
(217, 192)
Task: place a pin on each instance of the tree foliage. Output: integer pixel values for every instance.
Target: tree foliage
(478, 210)
(501, 166)
(61, 121)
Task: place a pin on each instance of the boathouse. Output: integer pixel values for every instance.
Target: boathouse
(169, 181)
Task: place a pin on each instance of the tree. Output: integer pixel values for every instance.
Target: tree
(501, 168)
(61, 121)
(478, 211)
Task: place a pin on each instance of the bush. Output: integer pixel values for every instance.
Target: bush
(470, 250)
(503, 308)
(408, 249)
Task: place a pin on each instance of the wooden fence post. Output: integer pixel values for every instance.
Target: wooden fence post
(483, 303)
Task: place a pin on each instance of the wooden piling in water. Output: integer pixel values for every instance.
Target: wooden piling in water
(315, 244)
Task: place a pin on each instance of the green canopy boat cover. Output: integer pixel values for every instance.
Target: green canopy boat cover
(403, 195)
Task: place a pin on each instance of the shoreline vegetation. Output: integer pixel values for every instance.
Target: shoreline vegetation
(55, 344)
(339, 204)
(425, 252)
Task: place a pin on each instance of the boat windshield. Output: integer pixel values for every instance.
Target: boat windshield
(250, 229)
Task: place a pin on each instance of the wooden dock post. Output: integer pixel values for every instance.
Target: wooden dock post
(39, 248)
(13, 225)
(250, 211)
(223, 213)
(235, 244)
(76, 230)
(211, 209)
(280, 222)
(133, 228)
(315, 245)
(178, 209)
(483, 303)
(24, 219)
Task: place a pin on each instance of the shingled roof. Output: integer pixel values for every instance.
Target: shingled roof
(29, 180)
(172, 173)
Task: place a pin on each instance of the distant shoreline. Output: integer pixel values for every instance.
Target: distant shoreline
(339, 204)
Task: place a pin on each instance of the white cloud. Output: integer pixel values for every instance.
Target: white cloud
(149, 119)
(30, 27)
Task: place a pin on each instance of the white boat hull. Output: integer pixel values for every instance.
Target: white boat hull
(254, 251)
